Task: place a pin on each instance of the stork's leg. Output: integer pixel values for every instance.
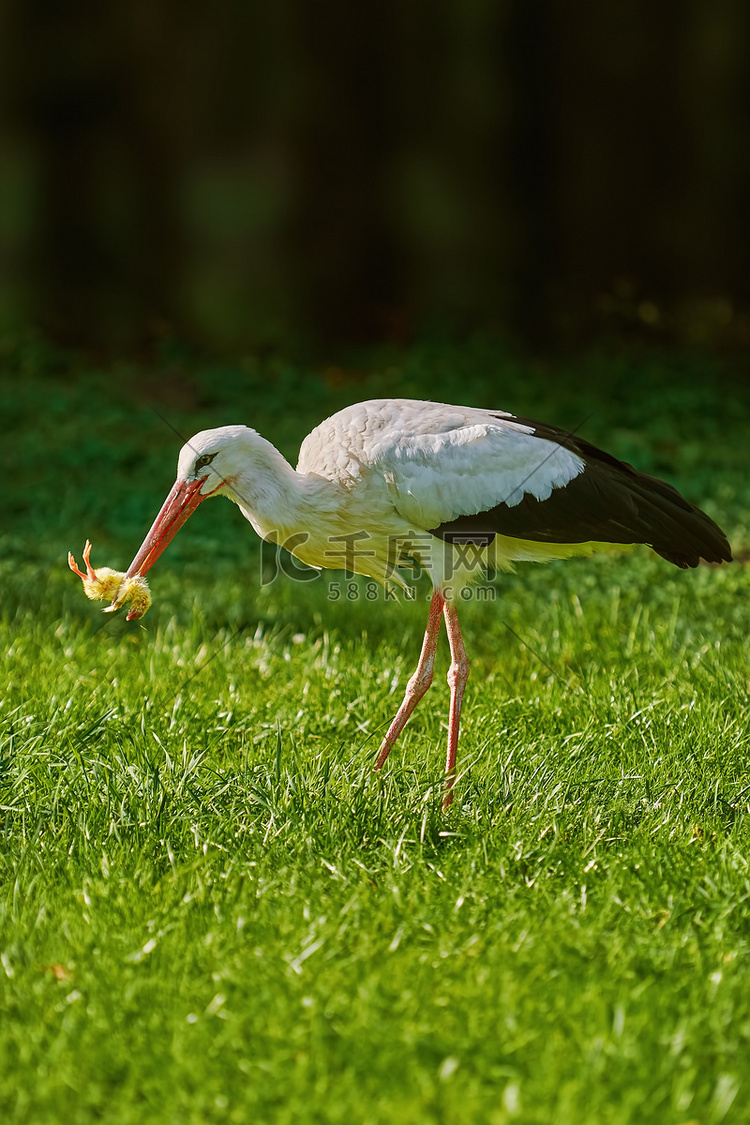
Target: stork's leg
(458, 674)
(419, 682)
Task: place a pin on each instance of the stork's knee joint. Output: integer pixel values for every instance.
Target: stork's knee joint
(458, 673)
(420, 682)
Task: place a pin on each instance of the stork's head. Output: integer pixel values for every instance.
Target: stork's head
(209, 465)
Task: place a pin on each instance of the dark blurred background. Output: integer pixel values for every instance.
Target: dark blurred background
(333, 172)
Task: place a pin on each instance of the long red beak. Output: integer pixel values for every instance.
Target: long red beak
(183, 499)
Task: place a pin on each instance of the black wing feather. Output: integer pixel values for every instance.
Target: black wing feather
(609, 502)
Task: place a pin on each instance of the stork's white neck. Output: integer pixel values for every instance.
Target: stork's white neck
(274, 497)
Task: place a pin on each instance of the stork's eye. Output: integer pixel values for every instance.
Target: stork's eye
(204, 459)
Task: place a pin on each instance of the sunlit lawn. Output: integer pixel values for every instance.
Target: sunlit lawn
(213, 910)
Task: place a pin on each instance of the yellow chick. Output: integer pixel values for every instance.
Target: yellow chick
(113, 585)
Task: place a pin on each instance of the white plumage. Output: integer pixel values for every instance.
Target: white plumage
(480, 457)
(390, 480)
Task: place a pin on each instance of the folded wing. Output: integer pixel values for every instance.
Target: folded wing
(533, 482)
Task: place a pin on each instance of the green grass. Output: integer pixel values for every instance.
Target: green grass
(213, 910)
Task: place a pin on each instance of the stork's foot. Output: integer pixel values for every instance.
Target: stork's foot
(458, 674)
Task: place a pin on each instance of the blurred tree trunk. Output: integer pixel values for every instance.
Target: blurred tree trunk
(106, 257)
(341, 239)
(528, 164)
(345, 166)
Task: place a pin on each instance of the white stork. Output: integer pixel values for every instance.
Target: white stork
(388, 481)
